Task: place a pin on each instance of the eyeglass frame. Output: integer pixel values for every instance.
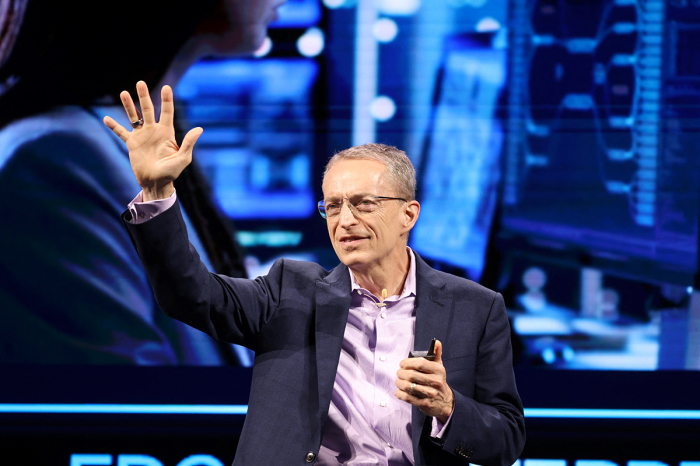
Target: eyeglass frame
(353, 208)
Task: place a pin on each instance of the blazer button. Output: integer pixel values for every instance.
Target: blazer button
(310, 457)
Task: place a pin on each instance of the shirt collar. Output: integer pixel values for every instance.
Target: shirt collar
(409, 286)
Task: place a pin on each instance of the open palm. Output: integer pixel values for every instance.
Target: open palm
(155, 157)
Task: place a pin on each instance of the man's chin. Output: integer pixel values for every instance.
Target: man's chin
(351, 259)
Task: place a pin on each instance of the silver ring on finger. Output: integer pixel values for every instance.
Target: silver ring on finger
(137, 123)
(410, 390)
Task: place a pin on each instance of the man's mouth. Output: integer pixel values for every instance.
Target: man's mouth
(351, 239)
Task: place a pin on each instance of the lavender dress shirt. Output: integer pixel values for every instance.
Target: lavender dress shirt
(367, 424)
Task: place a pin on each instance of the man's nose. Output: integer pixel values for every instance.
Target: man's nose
(346, 216)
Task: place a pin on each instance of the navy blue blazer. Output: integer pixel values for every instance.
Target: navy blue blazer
(294, 319)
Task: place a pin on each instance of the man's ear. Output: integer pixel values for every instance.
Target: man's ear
(411, 213)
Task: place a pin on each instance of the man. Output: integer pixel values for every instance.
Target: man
(331, 381)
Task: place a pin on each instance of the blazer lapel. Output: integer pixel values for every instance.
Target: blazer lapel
(432, 318)
(333, 300)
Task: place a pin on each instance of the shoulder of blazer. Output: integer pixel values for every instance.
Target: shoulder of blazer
(310, 271)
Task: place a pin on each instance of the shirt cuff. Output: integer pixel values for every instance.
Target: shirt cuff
(439, 428)
(142, 211)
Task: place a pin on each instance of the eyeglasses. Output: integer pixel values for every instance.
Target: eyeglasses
(364, 205)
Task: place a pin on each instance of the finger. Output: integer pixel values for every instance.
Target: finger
(413, 389)
(118, 129)
(427, 381)
(167, 109)
(131, 112)
(420, 395)
(190, 139)
(438, 352)
(405, 386)
(413, 376)
(420, 365)
(403, 395)
(184, 155)
(149, 117)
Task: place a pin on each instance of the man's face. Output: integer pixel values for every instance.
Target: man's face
(369, 239)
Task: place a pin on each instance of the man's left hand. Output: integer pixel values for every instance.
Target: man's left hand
(423, 383)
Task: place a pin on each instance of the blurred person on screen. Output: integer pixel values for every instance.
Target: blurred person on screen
(72, 288)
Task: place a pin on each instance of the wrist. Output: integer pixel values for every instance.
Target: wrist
(154, 193)
(447, 412)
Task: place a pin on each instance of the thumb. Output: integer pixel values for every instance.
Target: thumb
(190, 139)
(438, 351)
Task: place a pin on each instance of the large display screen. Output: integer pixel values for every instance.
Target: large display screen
(460, 171)
(555, 145)
(601, 174)
(604, 100)
(258, 145)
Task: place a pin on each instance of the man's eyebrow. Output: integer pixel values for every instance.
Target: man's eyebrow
(352, 196)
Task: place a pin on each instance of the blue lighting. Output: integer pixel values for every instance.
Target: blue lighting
(79, 459)
(311, 43)
(93, 460)
(537, 462)
(298, 14)
(122, 409)
(612, 413)
(200, 460)
(137, 460)
(570, 413)
(549, 356)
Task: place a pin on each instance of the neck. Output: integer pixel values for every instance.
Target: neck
(390, 276)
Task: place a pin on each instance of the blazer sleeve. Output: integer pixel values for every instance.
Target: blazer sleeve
(228, 309)
(489, 429)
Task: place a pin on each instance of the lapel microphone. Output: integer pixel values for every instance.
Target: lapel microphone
(383, 298)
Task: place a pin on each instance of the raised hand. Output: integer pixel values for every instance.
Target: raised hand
(423, 383)
(155, 156)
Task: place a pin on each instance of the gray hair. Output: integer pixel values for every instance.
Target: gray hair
(399, 169)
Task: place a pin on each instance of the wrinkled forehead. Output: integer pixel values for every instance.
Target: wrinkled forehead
(350, 178)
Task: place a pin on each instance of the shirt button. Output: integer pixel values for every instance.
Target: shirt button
(142, 215)
(389, 445)
(382, 358)
(383, 315)
(382, 404)
(310, 457)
